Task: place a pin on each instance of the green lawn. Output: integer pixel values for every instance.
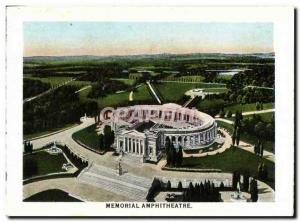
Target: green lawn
(31, 136)
(217, 90)
(53, 195)
(141, 94)
(268, 145)
(173, 91)
(125, 81)
(231, 160)
(45, 163)
(88, 136)
(247, 107)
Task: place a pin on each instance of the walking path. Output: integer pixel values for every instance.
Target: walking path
(249, 113)
(258, 87)
(84, 88)
(153, 92)
(226, 145)
(204, 83)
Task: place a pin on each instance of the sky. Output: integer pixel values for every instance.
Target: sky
(132, 38)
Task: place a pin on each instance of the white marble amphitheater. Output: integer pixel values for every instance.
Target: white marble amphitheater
(142, 130)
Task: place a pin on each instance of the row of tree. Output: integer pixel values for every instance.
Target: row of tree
(206, 192)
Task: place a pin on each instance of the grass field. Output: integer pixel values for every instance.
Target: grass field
(53, 195)
(141, 94)
(247, 107)
(88, 136)
(173, 91)
(268, 145)
(46, 163)
(185, 78)
(125, 81)
(231, 160)
(217, 90)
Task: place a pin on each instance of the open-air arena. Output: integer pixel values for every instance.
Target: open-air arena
(143, 130)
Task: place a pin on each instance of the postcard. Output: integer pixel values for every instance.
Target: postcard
(150, 111)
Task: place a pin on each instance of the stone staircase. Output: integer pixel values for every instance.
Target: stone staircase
(128, 185)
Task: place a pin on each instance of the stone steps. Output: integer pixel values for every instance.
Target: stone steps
(128, 185)
(127, 177)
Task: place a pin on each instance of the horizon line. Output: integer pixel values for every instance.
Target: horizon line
(121, 55)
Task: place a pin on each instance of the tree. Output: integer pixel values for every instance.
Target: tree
(109, 137)
(167, 145)
(239, 99)
(222, 113)
(246, 182)
(261, 150)
(233, 137)
(235, 179)
(179, 156)
(254, 190)
(222, 186)
(101, 141)
(259, 129)
(174, 155)
(169, 185)
(229, 114)
(257, 106)
(262, 171)
(179, 185)
(238, 134)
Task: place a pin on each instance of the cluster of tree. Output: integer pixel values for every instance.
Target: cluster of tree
(106, 139)
(257, 76)
(105, 87)
(52, 110)
(174, 157)
(206, 192)
(28, 147)
(256, 126)
(250, 95)
(33, 87)
(262, 171)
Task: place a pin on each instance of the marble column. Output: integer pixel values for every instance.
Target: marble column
(137, 146)
(127, 144)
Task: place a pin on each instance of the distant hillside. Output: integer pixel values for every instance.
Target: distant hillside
(192, 56)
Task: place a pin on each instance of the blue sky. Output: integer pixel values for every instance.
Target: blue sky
(123, 38)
